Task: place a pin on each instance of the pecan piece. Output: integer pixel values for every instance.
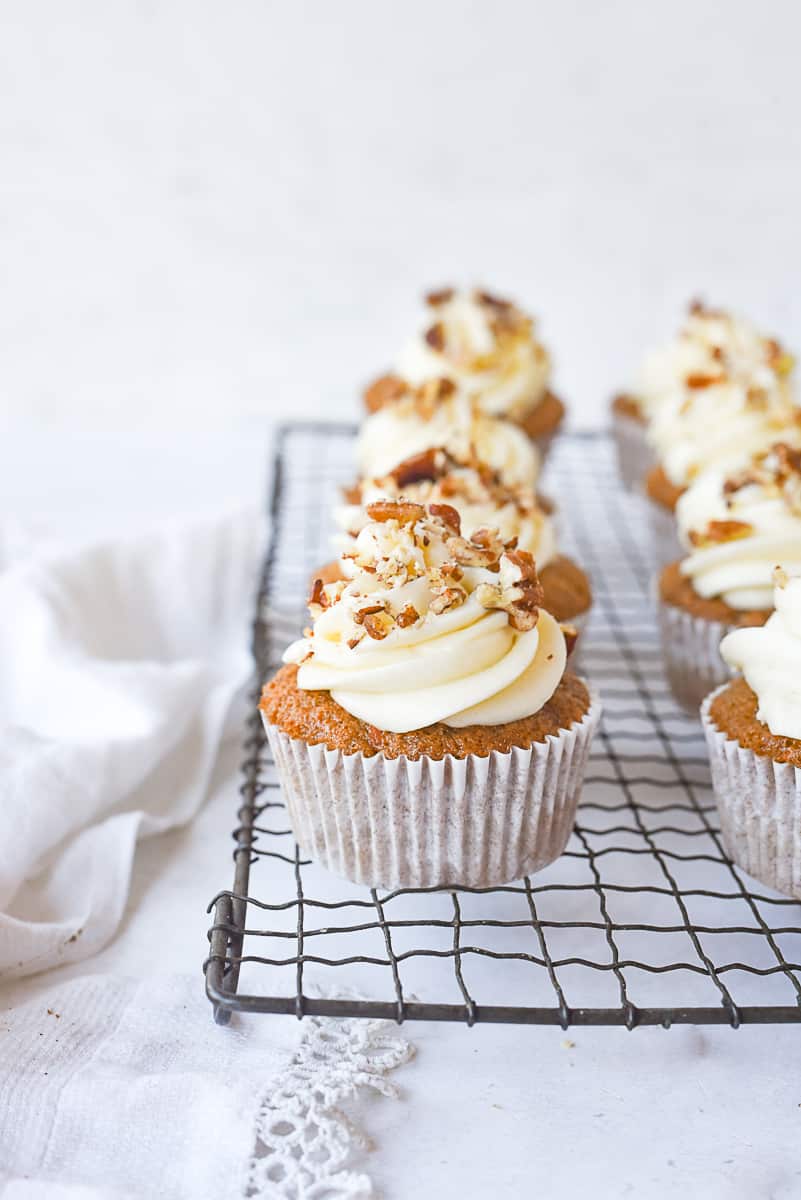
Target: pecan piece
(435, 336)
(427, 465)
(439, 296)
(405, 512)
(699, 379)
(448, 515)
(318, 598)
(492, 301)
(446, 599)
(718, 532)
(378, 625)
(407, 617)
(385, 390)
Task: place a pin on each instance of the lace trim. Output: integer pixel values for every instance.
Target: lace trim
(302, 1139)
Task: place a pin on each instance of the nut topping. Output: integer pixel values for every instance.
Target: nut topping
(439, 296)
(718, 532)
(435, 336)
(405, 512)
(383, 391)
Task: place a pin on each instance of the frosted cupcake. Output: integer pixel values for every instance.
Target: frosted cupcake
(488, 347)
(753, 731)
(425, 729)
(483, 501)
(737, 528)
(731, 397)
(437, 415)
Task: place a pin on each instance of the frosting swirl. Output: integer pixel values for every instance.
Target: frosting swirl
(769, 657)
(474, 490)
(485, 345)
(738, 527)
(720, 390)
(438, 416)
(432, 627)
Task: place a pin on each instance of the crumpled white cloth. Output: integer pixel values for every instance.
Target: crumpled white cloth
(112, 1089)
(119, 663)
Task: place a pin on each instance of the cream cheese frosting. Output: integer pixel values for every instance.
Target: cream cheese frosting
(439, 416)
(739, 526)
(720, 390)
(769, 658)
(486, 346)
(473, 489)
(432, 627)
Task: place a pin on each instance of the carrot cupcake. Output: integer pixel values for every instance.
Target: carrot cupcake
(753, 731)
(487, 347)
(483, 501)
(736, 398)
(425, 729)
(437, 415)
(737, 528)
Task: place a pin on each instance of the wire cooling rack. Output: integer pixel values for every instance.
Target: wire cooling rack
(642, 921)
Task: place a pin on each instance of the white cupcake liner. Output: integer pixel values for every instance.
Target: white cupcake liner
(634, 454)
(691, 654)
(664, 533)
(397, 822)
(759, 803)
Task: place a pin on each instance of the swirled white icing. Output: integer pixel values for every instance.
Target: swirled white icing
(738, 527)
(419, 635)
(720, 390)
(485, 345)
(769, 657)
(455, 424)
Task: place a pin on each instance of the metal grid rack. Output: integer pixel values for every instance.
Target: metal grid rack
(642, 921)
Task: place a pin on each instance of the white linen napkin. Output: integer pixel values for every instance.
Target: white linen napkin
(112, 1089)
(119, 663)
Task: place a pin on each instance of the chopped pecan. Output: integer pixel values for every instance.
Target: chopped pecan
(378, 625)
(354, 641)
(473, 553)
(518, 590)
(424, 466)
(407, 616)
(318, 598)
(718, 532)
(439, 296)
(383, 391)
(788, 459)
(446, 599)
(699, 379)
(448, 515)
(352, 494)
(452, 571)
(435, 336)
(361, 614)
(492, 301)
(405, 512)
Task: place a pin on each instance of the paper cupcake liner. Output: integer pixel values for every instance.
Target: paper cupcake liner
(397, 822)
(759, 803)
(691, 654)
(634, 454)
(664, 533)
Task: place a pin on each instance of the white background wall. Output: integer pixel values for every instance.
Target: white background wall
(210, 212)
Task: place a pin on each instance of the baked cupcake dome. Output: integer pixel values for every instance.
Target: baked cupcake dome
(437, 658)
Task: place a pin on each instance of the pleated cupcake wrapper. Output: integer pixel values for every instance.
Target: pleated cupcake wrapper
(664, 533)
(759, 803)
(634, 454)
(397, 822)
(691, 654)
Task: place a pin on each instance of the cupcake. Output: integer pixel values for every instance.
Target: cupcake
(483, 501)
(425, 729)
(437, 415)
(753, 731)
(732, 396)
(737, 528)
(489, 349)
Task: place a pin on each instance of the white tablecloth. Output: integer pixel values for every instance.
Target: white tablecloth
(489, 1111)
